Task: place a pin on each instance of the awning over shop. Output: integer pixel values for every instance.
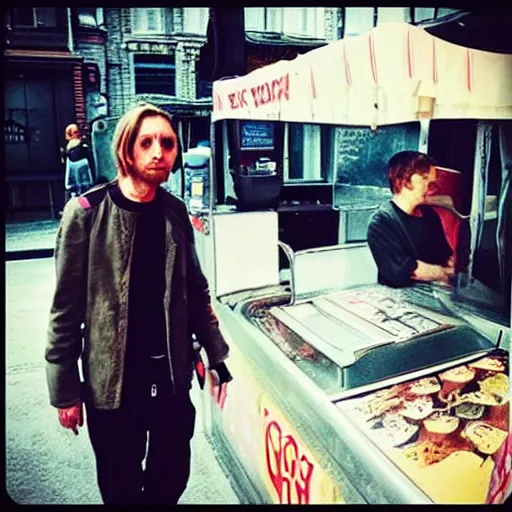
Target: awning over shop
(40, 58)
(178, 106)
(395, 73)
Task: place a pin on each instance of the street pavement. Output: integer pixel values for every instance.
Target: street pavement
(45, 463)
(30, 235)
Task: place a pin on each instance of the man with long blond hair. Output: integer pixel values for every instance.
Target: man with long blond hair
(130, 295)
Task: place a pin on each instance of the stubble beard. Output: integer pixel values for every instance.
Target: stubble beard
(153, 179)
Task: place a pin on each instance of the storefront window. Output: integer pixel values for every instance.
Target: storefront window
(155, 74)
(308, 151)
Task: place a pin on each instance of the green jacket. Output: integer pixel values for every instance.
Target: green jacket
(93, 258)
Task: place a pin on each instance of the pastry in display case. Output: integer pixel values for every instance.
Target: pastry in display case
(458, 415)
(426, 386)
(489, 363)
(456, 378)
(441, 423)
(417, 409)
(486, 438)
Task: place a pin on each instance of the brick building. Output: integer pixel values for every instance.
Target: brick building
(66, 65)
(140, 51)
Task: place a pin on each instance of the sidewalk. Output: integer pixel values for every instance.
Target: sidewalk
(26, 240)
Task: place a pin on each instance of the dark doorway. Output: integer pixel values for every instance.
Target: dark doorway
(38, 105)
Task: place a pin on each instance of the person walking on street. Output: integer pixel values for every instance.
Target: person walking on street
(405, 236)
(130, 297)
(79, 163)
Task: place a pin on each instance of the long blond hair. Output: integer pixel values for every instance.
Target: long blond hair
(72, 131)
(126, 132)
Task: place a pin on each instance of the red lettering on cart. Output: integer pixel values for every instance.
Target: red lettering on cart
(271, 91)
(289, 471)
(217, 102)
(232, 100)
(243, 100)
(237, 99)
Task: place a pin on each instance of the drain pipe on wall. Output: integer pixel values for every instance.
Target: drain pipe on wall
(70, 31)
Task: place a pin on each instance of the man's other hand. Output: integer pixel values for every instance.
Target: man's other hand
(220, 377)
(429, 272)
(72, 417)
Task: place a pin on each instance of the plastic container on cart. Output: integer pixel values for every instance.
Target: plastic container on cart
(197, 180)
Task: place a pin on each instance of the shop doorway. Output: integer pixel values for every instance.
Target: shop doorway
(37, 108)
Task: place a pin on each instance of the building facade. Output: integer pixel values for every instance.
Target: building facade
(77, 64)
(43, 93)
(149, 51)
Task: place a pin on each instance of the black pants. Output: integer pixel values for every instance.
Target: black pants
(119, 437)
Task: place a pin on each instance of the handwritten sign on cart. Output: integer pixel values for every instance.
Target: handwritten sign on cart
(257, 135)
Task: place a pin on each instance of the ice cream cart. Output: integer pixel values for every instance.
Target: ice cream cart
(346, 391)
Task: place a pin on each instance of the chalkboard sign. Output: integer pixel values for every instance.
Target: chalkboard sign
(257, 135)
(363, 154)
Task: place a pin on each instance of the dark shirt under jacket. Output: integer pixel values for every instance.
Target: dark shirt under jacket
(395, 253)
(146, 318)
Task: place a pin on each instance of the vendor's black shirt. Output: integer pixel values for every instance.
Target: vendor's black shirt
(146, 318)
(397, 240)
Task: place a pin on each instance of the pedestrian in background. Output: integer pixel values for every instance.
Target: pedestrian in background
(79, 164)
(127, 269)
(405, 236)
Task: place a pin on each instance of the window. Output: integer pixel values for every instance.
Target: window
(155, 74)
(308, 152)
(147, 21)
(195, 20)
(203, 88)
(24, 16)
(445, 11)
(35, 17)
(254, 18)
(393, 15)
(274, 19)
(304, 21)
(358, 20)
(423, 13)
(90, 17)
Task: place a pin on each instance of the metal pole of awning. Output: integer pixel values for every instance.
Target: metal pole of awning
(425, 112)
(180, 134)
(480, 178)
(424, 132)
